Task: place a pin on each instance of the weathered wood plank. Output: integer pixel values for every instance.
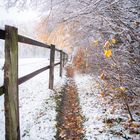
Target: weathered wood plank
(12, 128)
(57, 64)
(26, 40)
(28, 77)
(31, 75)
(67, 57)
(51, 72)
(57, 50)
(2, 34)
(63, 59)
(1, 90)
(61, 63)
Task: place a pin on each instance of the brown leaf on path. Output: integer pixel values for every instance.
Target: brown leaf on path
(70, 124)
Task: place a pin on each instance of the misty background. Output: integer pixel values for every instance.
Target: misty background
(25, 18)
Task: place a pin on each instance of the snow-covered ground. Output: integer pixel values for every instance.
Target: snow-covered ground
(103, 120)
(36, 102)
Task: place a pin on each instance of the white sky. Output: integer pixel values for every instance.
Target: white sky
(15, 15)
(25, 19)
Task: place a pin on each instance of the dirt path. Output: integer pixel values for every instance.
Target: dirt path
(70, 120)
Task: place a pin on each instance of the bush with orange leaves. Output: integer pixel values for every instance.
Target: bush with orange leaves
(79, 60)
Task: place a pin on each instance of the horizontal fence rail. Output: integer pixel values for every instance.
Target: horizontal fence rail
(11, 80)
(1, 90)
(31, 75)
(28, 77)
(29, 41)
(2, 34)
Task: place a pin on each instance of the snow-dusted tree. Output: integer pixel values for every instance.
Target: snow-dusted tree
(90, 24)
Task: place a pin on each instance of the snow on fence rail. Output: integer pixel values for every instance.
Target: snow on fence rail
(11, 81)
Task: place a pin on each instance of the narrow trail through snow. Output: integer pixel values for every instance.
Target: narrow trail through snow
(70, 120)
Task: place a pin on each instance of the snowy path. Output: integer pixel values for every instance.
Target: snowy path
(102, 119)
(69, 119)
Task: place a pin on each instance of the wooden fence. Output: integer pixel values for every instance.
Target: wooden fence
(11, 81)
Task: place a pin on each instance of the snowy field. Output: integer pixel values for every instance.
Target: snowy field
(36, 102)
(103, 121)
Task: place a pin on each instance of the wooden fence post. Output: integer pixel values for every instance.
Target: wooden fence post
(12, 127)
(63, 59)
(51, 72)
(61, 63)
(66, 57)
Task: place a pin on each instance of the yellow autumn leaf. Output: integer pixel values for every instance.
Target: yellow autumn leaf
(102, 76)
(102, 94)
(135, 125)
(114, 41)
(122, 88)
(62, 134)
(96, 43)
(107, 44)
(108, 53)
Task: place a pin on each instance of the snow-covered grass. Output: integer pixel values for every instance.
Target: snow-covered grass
(36, 102)
(102, 119)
